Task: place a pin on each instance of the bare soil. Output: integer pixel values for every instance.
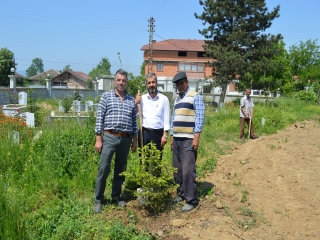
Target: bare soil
(267, 188)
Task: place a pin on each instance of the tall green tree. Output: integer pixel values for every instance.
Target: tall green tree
(6, 63)
(66, 68)
(102, 68)
(305, 61)
(35, 67)
(235, 38)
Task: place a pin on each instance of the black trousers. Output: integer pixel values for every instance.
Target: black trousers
(151, 136)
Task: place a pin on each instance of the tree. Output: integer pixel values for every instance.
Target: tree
(135, 84)
(66, 68)
(6, 63)
(35, 67)
(102, 68)
(234, 36)
(305, 61)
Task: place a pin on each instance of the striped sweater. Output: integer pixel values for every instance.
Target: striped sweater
(184, 119)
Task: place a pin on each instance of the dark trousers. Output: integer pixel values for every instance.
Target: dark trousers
(150, 136)
(185, 162)
(242, 122)
(120, 147)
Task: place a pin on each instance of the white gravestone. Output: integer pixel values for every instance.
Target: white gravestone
(23, 98)
(89, 106)
(76, 106)
(30, 119)
(14, 135)
(61, 108)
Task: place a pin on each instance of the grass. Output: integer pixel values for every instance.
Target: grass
(46, 185)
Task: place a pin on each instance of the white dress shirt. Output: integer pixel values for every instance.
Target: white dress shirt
(155, 112)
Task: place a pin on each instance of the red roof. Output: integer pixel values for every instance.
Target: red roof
(191, 45)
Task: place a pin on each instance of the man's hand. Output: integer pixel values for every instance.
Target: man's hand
(98, 144)
(195, 141)
(163, 141)
(137, 100)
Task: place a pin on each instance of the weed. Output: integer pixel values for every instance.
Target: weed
(249, 220)
(244, 196)
(237, 183)
(272, 147)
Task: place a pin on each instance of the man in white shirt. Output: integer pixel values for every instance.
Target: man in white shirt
(155, 108)
(246, 114)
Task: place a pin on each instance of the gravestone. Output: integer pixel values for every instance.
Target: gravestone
(76, 106)
(14, 135)
(23, 98)
(88, 106)
(30, 119)
(61, 108)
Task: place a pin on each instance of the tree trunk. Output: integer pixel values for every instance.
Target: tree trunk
(223, 92)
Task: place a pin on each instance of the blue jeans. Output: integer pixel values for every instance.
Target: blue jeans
(112, 145)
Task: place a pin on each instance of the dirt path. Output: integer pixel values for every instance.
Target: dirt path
(268, 188)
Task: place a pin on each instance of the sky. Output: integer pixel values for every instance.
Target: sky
(80, 33)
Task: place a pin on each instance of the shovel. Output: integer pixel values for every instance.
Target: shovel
(249, 128)
(141, 134)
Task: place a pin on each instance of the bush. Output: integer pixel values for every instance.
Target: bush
(307, 96)
(154, 176)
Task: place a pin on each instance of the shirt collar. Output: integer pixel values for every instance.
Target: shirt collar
(157, 96)
(125, 93)
(185, 92)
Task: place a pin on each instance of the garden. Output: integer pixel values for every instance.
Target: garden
(47, 179)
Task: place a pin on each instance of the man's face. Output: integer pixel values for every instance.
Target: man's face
(182, 86)
(248, 92)
(151, 85)
(120, 82)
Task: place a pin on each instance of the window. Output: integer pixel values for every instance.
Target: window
(182, 53)
(187, 67)
(159, 66)
(181, 66)
(191, 67)
(194, 68)
(200, 68)
(200, 54)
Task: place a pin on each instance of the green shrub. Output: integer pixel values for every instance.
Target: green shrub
(307, 96)
(154, 176)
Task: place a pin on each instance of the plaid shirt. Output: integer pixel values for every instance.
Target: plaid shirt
(199, 108)
(114, 114)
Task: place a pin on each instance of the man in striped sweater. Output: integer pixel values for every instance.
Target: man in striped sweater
(186, 126)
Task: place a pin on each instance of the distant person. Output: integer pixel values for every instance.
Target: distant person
(186, 126)
(116, 130)
(246, 114)
(155, 108)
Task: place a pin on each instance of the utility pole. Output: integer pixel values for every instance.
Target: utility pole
(151, 30)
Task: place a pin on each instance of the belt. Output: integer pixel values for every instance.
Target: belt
(118, 134)
(150, 130)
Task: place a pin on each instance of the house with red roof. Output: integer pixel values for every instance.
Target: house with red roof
(71, 79)
(174, 55)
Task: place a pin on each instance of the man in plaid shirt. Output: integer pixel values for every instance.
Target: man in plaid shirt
(116, 130)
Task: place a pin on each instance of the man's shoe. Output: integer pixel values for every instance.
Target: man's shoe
(177, 199)
(119, 202)
(243, 139)
(187, 207)
(97, 207)
(255, 137)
